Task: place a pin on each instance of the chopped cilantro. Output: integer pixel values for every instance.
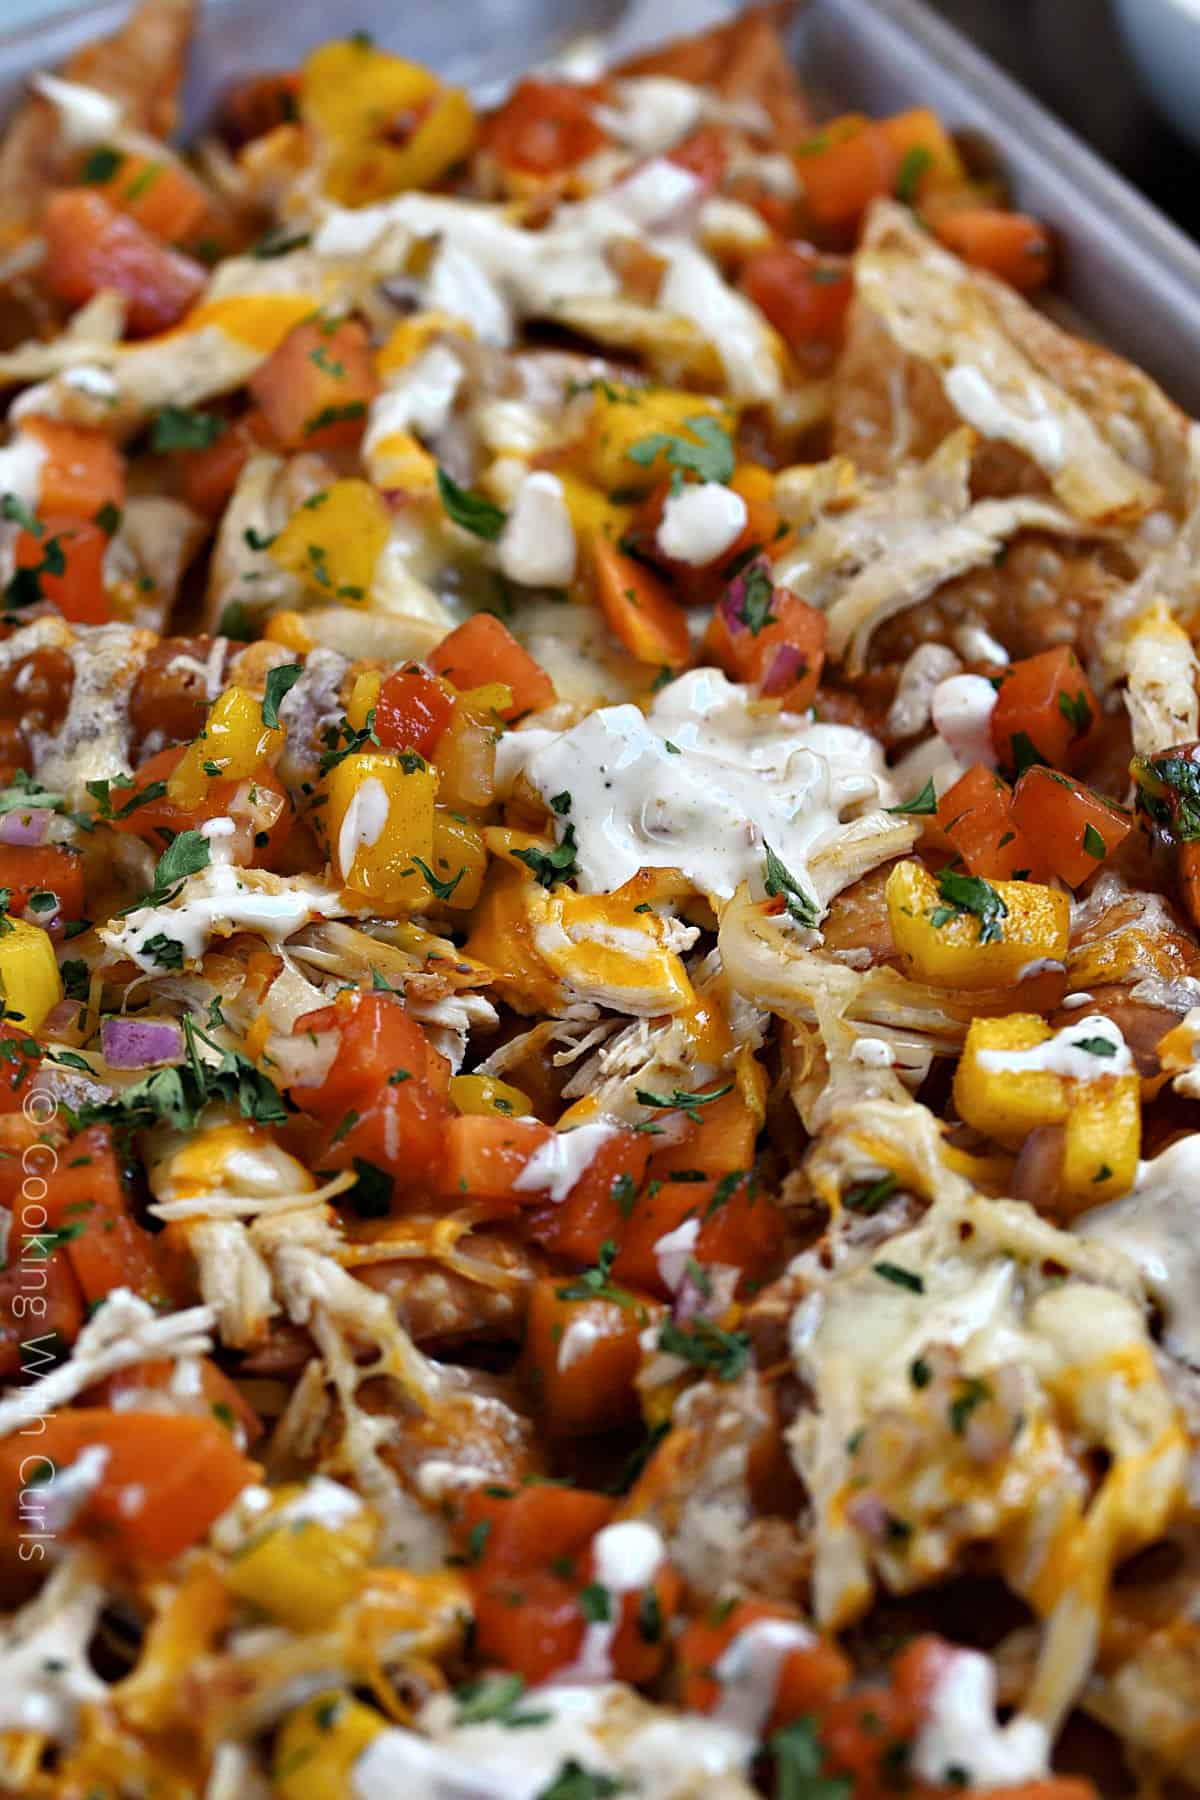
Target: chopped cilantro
(280, 681)
(1093, 843)
(724, 1354)
(970, 894)
(474, 512)
(799, 1754)
(595, 1284)
(971, 1392)
(495, 1700)
(442, 890)
(101, 165)
(923, 804)
(180, 428)
(757, 595)
(710, 459)
(868, 1196)
(780, 883)
(552, 866)
(371, 1196)
(679, 1101)
(166, 951)
(915, 161)
(574, 1781)
(899, 1277)
(1076, 711)
(1095, 1046)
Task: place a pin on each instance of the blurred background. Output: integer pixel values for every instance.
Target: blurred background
(1068, 52)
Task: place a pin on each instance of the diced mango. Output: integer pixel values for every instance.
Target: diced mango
(413, 335)
(379, 822)
(399, 461)
(943, 945)
(29, 979)
(1101, 1116)
(1103, 1141)
(232, 746)
(487, 1094)
(364, 696)
(354, 93)
(591, 509)
(302, 1572)
(348, 86)
(334, 541)
(622, 416)
(318, 1744)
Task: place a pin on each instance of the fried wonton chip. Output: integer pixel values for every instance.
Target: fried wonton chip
(987, 359)
(745, 60)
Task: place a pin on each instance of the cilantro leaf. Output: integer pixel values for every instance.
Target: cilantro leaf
(758, 592)
(970, 894)
(1076, 711)
(596, 1284)
(1095, 1046)
(552, 866)
(180, 428)
(474, 512)
(166, 951)
(442, 890)
(915, 162)
(1093, 843)
(724, 1354)
(12, 507)
(781, 883)
(495, 1699)
(798, 1758)
(678, 1101)
(922, 804)
(185, 855)
(280, 681)
(575, 1782)
(899, 1277)
(710, 459)
(371, 1197)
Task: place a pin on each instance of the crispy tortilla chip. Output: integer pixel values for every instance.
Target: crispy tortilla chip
(977, 347)
(744, 60)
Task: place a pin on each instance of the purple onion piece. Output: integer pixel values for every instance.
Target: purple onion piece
(25, 828)
(732, 602)
(140, 1043)
(786, 666)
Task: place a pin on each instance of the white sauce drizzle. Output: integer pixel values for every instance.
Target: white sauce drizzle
(700, 784)
(1064, 1054)
(961, 1733)
(537, 545)
(557, 1164)
(674, 1251)
(961, 708)
(749, 1670)
(363, 824)
(1037, 433)
(700, 522)
(1157, 1225)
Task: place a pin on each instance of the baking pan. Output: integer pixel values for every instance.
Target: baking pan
(1126, 271)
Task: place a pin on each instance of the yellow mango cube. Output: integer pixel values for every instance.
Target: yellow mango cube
(411, 336)
(364, 697)
(399, 461)
(948, 945)
(1103, 1141)
(318, 1744)
(623, 416)
(1006, 1103)
(487, 1094)
(348, 87)
(592, 512)
(302, 1572)
(30, 983)
(335, 540)
(232, 746)
(379, 821)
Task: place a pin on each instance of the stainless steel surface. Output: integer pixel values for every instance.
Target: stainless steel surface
(1125, 269)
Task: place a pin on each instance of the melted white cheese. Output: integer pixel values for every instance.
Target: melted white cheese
(960, 1742)
(537, 545)
(700, 522)
(701, 784)
(420, 397)
(1157, 1224)
(1065, 1053)
(557, 1164)
(961, 708)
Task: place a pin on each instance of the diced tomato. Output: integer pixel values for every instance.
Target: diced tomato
(78, 591)
(412, 711)
(1044, 711)
(41, 869)
(639, 610)
(589, 1386)
(218, 1395)
(485, 1155)
(766, 635)
(86, 1202)
(637, 1654)
(705, 154)
(803, 294)
(1010, 245)
(808, 1675)
(159, 192)
(82, 471)
(849, 164)
(398, 1129)
(209, 476)
(41, 1306)
(90, 247)
(166, 1477)
(544, 127)
(596, 1207)
(315, 389)
(377, 1039)
(483, 650)
(976, 815)
(1074, 829)
(528, 1527)
(150, 817)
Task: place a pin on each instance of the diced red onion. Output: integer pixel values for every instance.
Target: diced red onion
(25, 827)
(786, 666)
(868, 1514)
(139, 1043)
(733, 600)
(711, 1296)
